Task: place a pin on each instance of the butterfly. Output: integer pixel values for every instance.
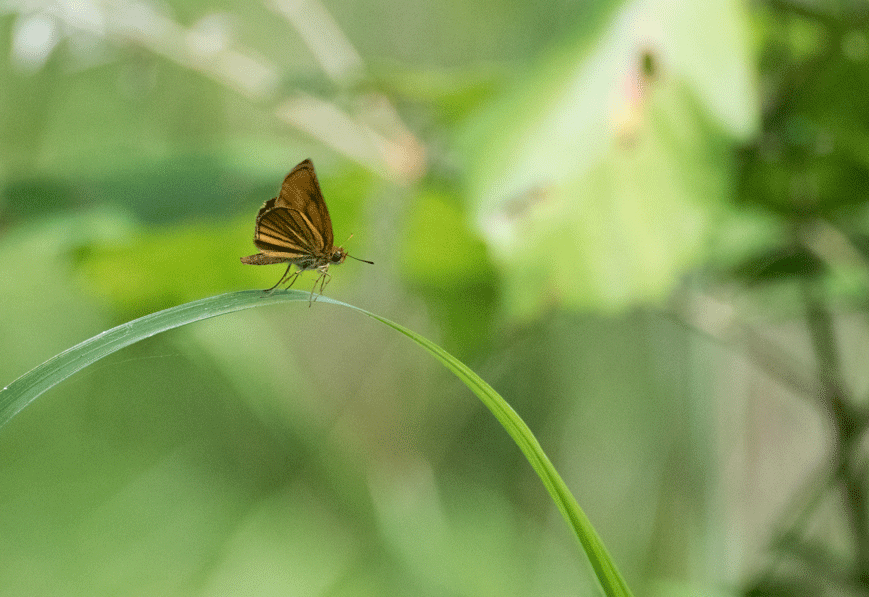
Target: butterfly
(295, 228)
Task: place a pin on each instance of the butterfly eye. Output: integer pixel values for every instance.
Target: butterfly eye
(338, 256)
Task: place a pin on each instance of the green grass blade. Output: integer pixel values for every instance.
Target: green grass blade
(29, 386)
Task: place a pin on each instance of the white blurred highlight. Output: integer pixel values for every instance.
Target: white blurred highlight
(33, 39)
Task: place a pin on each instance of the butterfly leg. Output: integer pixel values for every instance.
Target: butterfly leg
(282, 278)
(327, 277)
(322, 281)
(311, 298)
(292, 279)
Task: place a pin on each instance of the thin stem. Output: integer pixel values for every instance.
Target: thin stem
(848, 423)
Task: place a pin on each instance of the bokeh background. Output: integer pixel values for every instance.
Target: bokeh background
(643, 222)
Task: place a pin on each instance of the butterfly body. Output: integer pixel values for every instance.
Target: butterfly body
(295, 228)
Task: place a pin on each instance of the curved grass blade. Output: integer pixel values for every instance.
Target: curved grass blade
(29, 386)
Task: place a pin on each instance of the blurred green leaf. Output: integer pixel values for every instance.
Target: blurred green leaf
(439, 249)
(42, 309)
(152, 267)
(450, 266)
(780, 265)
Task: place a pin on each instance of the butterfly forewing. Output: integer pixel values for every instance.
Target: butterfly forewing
(301, 192)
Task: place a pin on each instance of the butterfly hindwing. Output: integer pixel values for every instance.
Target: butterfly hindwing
(282, 231)
(261, 259)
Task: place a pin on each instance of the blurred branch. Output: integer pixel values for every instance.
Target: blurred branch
(353, 138)
(377, 138)
(324, 38)
(803, 504)
(849, 423)
(818, 561)
(376, 127)
(704, 316)
(832, 246)
(796, 71)
(775, 362)
(821, 332)
(241, 70)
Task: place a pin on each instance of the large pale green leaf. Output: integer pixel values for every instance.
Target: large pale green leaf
(596, 179)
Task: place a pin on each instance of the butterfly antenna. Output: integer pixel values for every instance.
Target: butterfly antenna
(356, 258)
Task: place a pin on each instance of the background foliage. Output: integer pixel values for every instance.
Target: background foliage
(642, 222)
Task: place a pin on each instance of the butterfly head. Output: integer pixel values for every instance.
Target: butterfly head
(338, 255)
